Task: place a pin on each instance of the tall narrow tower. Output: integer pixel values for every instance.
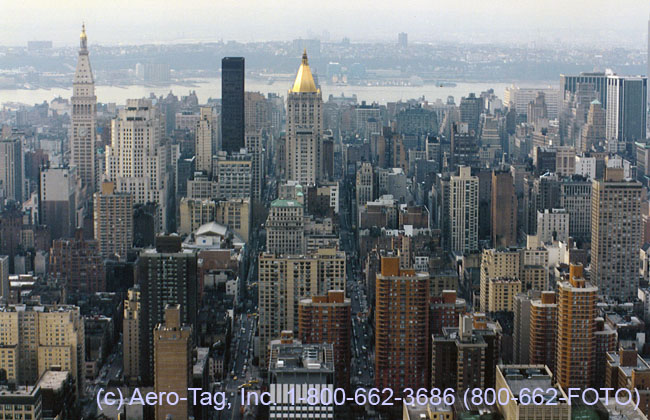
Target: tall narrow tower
(304, 128)
(84, 117)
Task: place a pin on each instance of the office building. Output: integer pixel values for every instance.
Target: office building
(575, 198)
(285, 280)
(463, 212)
(516, 379)
(364, 184)
(113, 221)
(594, 133)
(83, 119)
(131, 335)
(304, 128)
(285, 228)
(77, 264)
(626, 108)
(570, 84)
(38, 338)
(616, 235)
(543, 330)
(401, 326)
(464, 146)
(575, 340)
(206, 140)
(195, 213)
(22, 402)
(327, 319)
(232, 104)
(470, 112)
(553, 225)
(138, 160)
(12, 169)
(235, 214)
(173, 366)
(58, 195)
(255, 148)
(166, 276)
(299, 367)
(519, 98)
(503, 210)
(4, 276)
(234, 175)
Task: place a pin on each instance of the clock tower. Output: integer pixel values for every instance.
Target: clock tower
(83, 120)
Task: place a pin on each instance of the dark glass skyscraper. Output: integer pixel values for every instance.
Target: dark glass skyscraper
(232, 104)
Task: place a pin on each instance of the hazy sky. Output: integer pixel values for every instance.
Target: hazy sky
(597, 22)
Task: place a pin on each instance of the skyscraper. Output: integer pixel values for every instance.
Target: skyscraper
(205, 141)
(113, 221)
(232, 104)
(470, 112)
(285, 280)
(138, 158)
(304, 128)
(12, 169)
(285, 228)
(626, 108)
(401, 326)
(131, 335)
(77, 264)
(576, 326)
(463, 211)
(83, 117)
(543, 330)
(173, 364)
(164, 278)
(504, 210)
(58, 187)
(255, 149)
(616, 234)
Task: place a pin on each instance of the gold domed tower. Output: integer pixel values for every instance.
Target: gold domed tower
(303, 154)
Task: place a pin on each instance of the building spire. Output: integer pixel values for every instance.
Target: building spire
(83, 39)
(304, 79)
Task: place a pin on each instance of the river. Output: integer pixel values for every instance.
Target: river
(211, 88)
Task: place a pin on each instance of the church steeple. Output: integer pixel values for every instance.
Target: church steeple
(304, 79)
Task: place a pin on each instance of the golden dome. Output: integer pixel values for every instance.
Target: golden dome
(83, 31)
(304, 79)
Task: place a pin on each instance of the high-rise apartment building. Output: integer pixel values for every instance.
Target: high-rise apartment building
(304, 128)
(285, 228)
(12, 169)
(77, 264)
(576, 327)
(113, 221)
(83, 119)
(173, 364)
(543, 330)
(463, 211)
(4, 276)
(626, 108)
(37, 338)
(575, 198)
(138, 159)
(553, 225)
(327, 319)
(131, 328)
(165, 278)
(401, 326)
(58, 195)
(23, 402)
(616, 234)
(504, 210)
(206, 140)
(285, 280)
(232, 104)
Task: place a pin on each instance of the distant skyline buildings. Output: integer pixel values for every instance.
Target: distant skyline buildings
(530, 23)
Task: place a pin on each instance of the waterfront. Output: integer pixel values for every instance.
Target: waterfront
(211, 88)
